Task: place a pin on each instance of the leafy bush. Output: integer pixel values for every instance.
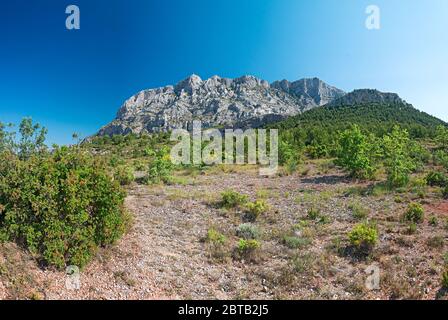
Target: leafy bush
(441, 158)
(357, 153)
(436, 179)
(215, 237)
(445, 279)
(363, 236)
(232, 199)
(442, 137)
(419, 154)
(397, 159)
(414, 213)
(248, 231)
(124, 175)
(61, 206)
(216, 244)
(247, 247)
(255, 209)
(445, 192)
(160, 167)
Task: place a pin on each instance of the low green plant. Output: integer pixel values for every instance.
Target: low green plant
(364, 237)
(232, 199)
(246, 247)
(248, 231)
(436, 179)
(411, 228)
(248, 250)
(445, 279)
(216, 245)
(433, 221)
(445, 192)
(124, 175)
(294, 242)
(254, 209)
(415, 213)
(358, 211)
(313, 213)
(215, 237)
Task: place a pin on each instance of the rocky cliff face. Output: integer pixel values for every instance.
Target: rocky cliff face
(219, 102)
(310, 92)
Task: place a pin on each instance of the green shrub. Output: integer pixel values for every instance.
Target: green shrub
(415, 213)
(313, 213)
(216, 245)
(232, 199)
(397, 159)
(445, 192)
(294, 242)
(433, 221)
(124, 175)
(61, 206)
(441, 158)
(247, 247)
(358, 153)
(358, 211)
(215, 237)
(411, 228)
(248, 231)
(445, 279)
(160, 167)
(363, 236)
(436, 179)
(255, 209)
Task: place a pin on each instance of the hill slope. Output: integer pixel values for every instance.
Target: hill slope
(370, 109)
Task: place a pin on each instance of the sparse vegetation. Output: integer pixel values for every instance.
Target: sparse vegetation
(445, 279)
(254, 209)
(363, 237)
(232, 199)
(124, 175)
(415, 213)
(358, 211)
(248, 231)
(247, 249)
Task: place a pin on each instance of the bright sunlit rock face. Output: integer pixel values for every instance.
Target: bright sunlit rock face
(242, 102)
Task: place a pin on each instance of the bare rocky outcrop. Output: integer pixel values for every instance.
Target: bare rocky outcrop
(219, 102)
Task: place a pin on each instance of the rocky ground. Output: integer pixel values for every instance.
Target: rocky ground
(164, 256)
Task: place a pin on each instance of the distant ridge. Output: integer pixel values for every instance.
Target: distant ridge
(372, 110)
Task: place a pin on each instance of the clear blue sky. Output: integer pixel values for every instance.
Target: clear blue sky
(75, 81)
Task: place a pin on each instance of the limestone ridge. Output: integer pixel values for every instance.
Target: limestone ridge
(219, 102)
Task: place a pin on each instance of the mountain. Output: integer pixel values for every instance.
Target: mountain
(366, 96)
(372, 110)
(219, 102)
(311, 92)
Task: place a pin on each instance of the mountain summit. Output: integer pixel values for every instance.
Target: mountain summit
(219, 102)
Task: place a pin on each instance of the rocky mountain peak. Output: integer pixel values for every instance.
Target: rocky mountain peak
(312, 90)
(243, 102)
(189, 84)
